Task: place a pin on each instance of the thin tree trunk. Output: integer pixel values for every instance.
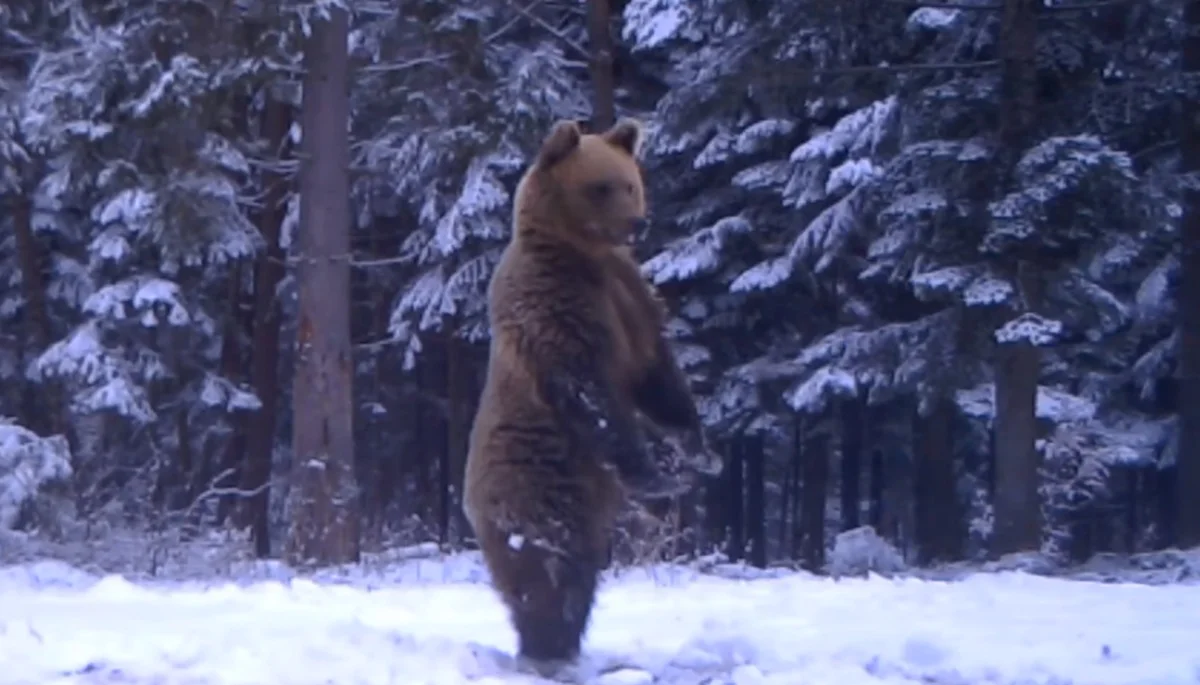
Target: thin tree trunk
(324, 527)
(1187, 493)
(1133, 486)
(798, 451)
(787, 494)
(756, 498)
(735, 520)
(875, 494)
(851, 475)
(421, 473)
(601, 65)
(450, 474)
(264, 372)
(1166, 482)
(939, 517)
(233, 450)
(1018, 515)
(814, 494)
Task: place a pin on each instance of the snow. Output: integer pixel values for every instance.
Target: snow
(1052, 404)
(27, 462)
(651, 23)
(1031, 328)
(437, 622)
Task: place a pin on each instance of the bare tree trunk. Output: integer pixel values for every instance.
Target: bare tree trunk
(787, 496)
(875, 491)
(324, 526)
(1133, 487)
(735, 509)
(851, 472)
(1166, 507)
(220, 460)
(601, 65)
(460, 387)
(754, 455)
(264, 373)
(813, 500)
(939, 517)
(798, 452)
(1018, 512)
(1187, 483)
(423, 448)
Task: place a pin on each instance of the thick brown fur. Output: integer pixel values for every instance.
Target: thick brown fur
(576, 354)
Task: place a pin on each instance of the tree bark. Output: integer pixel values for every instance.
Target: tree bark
(264, 372)
(324, 526)
(851, 476)
(939, 516)
(798, 451)
(756, 498)
(787, 496)
(1166, 507)
(1187, 480)
(1018, 514)
(601, 65)
(813, 495)
(735, 520)
(875, 492)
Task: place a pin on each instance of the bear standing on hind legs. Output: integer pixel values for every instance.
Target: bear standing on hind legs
(576, 355)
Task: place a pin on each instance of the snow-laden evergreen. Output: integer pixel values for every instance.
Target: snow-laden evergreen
(847, 247)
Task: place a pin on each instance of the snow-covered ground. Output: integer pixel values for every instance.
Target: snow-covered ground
(436, 622)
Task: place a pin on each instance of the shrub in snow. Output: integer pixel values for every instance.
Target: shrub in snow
(859, 550)
(27, 462)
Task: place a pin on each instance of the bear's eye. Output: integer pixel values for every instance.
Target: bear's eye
(600, 191)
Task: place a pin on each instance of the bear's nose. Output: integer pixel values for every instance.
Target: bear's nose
(639, 224)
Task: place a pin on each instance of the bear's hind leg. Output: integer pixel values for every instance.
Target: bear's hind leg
(552, 613)
(549, 593)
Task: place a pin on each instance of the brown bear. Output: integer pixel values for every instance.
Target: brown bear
(577, 365)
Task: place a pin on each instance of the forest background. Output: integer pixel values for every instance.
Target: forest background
(929, 264)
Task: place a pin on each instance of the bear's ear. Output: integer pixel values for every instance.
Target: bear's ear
(562, 141)
(628, 135)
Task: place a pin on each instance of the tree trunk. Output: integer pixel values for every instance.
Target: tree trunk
(1187, 481)
(939, 518)
(787, 496)
(735, 520)
(798, 450)
(1166, 507)
(756, 498)
(813, 496)
(423, 449)
(222, 460)
(851, 476)
(264, 372)
(1133, 499)
(1018, 514)
(875, 494)
(324, 527)
(601, 65)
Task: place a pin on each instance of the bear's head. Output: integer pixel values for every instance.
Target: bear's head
(586, 185)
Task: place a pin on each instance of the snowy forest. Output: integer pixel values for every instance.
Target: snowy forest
(928, 264)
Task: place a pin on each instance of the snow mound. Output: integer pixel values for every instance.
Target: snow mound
(861, 550)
